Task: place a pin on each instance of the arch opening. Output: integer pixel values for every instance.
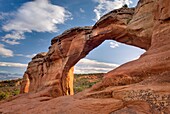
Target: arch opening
(106, 57)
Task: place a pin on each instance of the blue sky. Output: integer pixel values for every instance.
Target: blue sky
(27, 27)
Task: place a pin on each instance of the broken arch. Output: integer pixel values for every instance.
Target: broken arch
(49, 73)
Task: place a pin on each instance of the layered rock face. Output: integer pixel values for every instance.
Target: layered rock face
(137, 87)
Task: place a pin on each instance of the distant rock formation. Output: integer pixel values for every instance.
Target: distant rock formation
(141, 86)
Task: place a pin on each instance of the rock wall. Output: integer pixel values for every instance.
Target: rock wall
(137, 87)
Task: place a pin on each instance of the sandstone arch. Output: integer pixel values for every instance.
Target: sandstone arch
(50, 70)
(140, 86)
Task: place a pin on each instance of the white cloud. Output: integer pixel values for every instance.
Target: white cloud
(9, 53)
(3, 71)
(12, 42)
(4, 15)
(82, 10)
(105, 6)
(37, 15)
(5, 52)
(85, 66)
(136, 58)
(114, 44)
(10, 64)
(28, 56)
(14, 35)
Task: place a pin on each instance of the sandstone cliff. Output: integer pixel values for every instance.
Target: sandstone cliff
(137, 87)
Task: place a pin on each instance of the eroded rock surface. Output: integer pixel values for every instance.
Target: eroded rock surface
(137, 87)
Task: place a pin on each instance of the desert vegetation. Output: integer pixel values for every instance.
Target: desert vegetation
(83, 81)
(9, 88)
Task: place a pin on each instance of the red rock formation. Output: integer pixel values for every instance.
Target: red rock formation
(69, 80)
(25, 84)
(140, 87)
(50, 70)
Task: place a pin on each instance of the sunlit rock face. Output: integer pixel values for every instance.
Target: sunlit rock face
(140, 87)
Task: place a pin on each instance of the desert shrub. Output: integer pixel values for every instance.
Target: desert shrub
(78, 89)
(91, 84)
(16, 92)
(9, 88)
(84, 81)
(3, 95)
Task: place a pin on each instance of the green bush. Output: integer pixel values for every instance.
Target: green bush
(3, 95)
(78, 89)
(16, 92)
(91, 84)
